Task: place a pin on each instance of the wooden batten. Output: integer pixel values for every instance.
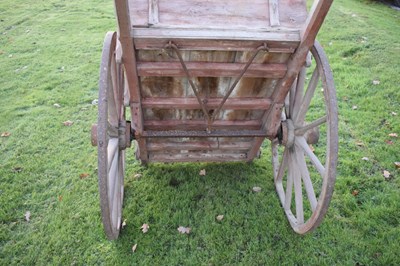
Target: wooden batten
(191, 103)
(203, 134)
(211, 156)
(274, 13)
(159, 125)
(205, 69)
(284, 35)
(198, 146)
(153, 12)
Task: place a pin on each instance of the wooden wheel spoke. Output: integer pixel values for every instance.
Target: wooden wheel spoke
(115, 203)
(289, 185)
(113, 178)
(298, 190)
(290, 97)
(112, 150)
(302, 130)
(305, 104)
(299, 92)
(111, 100)
(305, 174)
(301, 141)
(283, 166)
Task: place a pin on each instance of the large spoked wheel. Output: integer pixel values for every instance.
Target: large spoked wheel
(304, 155)
(112, 137)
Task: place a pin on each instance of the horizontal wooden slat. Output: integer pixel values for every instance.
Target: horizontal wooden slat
(200, 125)
(205, 69)
(192, 103)
(197, 146)
(147, 43)
(289, 35)
(197, 157)
(202, 134)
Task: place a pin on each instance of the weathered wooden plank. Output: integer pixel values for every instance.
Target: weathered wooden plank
(202, 134)
(284, 35)
(216, 13)
(214, 45)
(200, 125)
(191, 103)
(274, 13)
(197, 157)
(206, 69)
(198, 146)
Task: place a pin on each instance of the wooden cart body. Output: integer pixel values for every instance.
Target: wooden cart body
(215, 39)
(207, 80)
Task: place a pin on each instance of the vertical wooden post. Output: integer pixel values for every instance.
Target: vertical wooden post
(129, 62)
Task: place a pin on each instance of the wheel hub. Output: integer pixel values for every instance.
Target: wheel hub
(287, 133)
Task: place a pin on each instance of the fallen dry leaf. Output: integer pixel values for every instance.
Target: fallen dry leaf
(376, 82)
(256, 189)
(220, 217)
(184, 230)
(145, 228)
(5, 134)
(359, 143)
(202, 172)
(397, 164)
(123, 223)
(393, 135)
(60, 198)
(28, 216)
(83, 176)
(365, 158)
(134, 248)
(68, 123)
(389, 142)
(137, 176)
(386, 174)
(355, 192)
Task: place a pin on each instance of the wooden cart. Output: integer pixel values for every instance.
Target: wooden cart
(209, 81)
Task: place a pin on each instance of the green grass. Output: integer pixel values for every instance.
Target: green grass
(50, 53)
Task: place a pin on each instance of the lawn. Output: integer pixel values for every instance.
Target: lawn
(49, 202)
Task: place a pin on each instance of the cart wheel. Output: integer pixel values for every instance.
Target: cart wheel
(113, 136)
(304, 155)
